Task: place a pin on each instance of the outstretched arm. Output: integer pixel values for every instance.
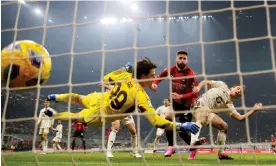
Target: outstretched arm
(236, 115)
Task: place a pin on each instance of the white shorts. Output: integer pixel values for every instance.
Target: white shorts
(160, 131)
(128, 120)
(206, 115)
(57, 139)
(43, 130)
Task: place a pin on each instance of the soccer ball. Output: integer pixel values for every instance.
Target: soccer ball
(25, 58)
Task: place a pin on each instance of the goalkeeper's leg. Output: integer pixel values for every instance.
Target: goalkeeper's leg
(85, 115)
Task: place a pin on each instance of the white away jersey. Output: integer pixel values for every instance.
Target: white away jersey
(217, 97)
(59, 131)
(163, 110)
(44, 120)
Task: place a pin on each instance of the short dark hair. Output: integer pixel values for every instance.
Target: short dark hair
(182, 52)
(144, 66)
(243, 86)
(166, 98)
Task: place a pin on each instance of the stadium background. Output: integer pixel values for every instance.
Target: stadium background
(219, 58)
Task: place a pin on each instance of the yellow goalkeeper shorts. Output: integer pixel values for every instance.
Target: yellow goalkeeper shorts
(91, 114)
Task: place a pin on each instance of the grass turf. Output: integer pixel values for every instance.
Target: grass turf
(125, 159)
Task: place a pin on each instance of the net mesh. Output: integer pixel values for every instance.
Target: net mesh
(136, 48)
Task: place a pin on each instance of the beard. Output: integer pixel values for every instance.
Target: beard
(181, 65)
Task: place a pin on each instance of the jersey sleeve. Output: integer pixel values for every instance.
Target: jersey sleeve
(164, 73)
(145, 106)
(117, 75)
(231, 108)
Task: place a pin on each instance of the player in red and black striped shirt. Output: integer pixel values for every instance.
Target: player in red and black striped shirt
(79, 132)
(182, 94)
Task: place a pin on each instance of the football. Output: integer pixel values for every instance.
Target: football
(23, 59)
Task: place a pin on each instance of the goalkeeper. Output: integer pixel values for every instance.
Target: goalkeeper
(121, 100)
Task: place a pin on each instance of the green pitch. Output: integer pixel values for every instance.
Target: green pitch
(125, 159)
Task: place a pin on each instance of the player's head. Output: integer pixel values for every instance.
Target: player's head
(236, 90)
(181, 59)
(145, 69)
(166, 101)
(46, 103)
(59, 122)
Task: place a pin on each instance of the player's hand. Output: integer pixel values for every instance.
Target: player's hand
(176, 96)
(153, 87)
(129, 67)
(196, 89)
(189, 126)
(49, 113)
(257, 106)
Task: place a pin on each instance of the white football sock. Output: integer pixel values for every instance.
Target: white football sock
(58, 146)
(194, 137)
(111, 139)
(134, 143)
(43, 144)
(156, 141)
(46, 145)
(54, 146)
(221, 141)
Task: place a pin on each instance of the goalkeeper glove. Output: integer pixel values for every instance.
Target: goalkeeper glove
(129, 67)
(49, 113)
(188, 126)
(51, 97)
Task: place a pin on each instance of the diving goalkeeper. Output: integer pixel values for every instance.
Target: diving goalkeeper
(122, 99)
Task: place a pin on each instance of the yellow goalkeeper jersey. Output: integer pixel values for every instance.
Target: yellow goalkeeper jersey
(122, 98)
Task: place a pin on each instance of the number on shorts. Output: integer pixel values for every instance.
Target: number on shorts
(219, 100)
(115, 95)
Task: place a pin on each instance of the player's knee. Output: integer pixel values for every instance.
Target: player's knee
(132, 131)
(116, 125)
(158, 137)
(224, 127)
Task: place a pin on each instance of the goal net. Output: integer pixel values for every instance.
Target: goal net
(232, 41)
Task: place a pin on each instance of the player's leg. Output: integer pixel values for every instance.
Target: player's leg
(85, 115)
(170, 133)
(202, 116)
(111, 139)
(73, 145)
(130, 124)
(58, 146)
(218, 123)
(159, 133)
(54, 144)
(43, 136)
(83, 140)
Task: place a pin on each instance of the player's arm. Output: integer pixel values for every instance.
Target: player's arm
(157, 80)
(116, 75)
(209, 83)
(236, 115)
(164, 73)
